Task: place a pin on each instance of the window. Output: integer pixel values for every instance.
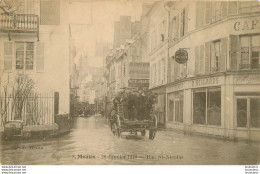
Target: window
(175, 105)
(50, 12)
(207, 106)
(182, 26)
(248, 112)
(232, 7)
(215, 60)
(250, 52)
(24, 55)
(249, 7)
(175, 28)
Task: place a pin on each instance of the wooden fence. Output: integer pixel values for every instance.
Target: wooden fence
(34, 109)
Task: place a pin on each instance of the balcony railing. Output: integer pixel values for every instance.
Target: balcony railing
(19, 22)
(249, 66)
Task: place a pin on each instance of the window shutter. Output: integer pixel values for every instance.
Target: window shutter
(223, 52)
(208, 12)
(212, 57)
(39, 56)
(181, 24)
(8, 55)
(197, 14)
(50, 12)
(202, 13)
(202, 60)
(177, 27)
(224, 9)
(234, 51)
(207, 57)
(186, 18)
(197, 54)
(232, 7)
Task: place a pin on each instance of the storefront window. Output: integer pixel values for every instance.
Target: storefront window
(253, 105)
(255, 112)
(171, 109)
(214, 106)
(207, 106)
(199, 107)
(241, 112)
(175, 106)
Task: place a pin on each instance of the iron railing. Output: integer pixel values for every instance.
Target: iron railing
(19, 22)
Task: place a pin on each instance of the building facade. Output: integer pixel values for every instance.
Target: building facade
(158, 54)
(27, 39)
(216, 92)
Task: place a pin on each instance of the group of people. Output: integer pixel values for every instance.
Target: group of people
(133, 104)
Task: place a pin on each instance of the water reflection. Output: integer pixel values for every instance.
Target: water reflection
(91, 142)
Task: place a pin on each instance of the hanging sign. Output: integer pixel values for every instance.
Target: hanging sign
(181, 56)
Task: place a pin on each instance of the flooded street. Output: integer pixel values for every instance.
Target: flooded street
(91, 142)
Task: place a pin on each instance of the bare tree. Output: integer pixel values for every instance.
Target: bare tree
(11, 6)
(19, 98)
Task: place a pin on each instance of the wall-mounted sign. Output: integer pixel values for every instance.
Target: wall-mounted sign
(138, 83)
(205, 82)
(248, 24)
(181, 56)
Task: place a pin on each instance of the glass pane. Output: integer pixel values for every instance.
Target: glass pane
(19, 46)
(255, 113)
(19, 59)
(199, 107)
(256, 41)
(29, 46)
(241, 112)
(29, 60)
(214, 107)
(171, 107)
(244, 41)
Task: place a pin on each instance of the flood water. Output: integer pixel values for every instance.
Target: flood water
(91, 142)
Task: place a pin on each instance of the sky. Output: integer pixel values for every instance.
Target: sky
(86, 30)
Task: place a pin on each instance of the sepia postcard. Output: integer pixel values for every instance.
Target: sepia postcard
(130, 82)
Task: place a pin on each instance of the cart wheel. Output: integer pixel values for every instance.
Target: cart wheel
(152, 133)
(143, 133)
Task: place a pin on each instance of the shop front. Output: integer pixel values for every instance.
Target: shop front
(225, 105)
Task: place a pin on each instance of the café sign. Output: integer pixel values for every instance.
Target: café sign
(181, 56)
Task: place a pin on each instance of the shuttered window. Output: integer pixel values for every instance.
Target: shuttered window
(186, 20)
(197, 63)
(232, 7)
(234, 51)
(250, 52)
(207, 57)
(201, 66)
(24, 55)
(175, 28)
(223, 54)
(50, 12)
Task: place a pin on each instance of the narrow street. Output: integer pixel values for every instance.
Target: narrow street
(91, 142)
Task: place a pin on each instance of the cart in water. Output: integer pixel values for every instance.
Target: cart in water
(119, 123)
